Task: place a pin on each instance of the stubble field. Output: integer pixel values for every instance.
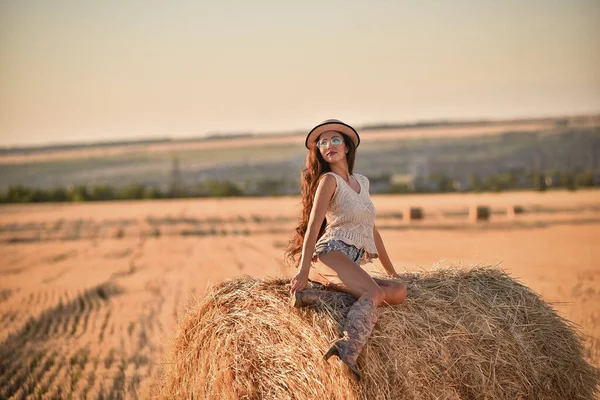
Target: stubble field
(90, 294)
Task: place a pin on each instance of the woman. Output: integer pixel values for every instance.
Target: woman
(337, 232)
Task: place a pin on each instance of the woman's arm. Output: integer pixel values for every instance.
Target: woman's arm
(383, 255)
(323, 195)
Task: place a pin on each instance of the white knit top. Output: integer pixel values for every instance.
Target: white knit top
(351, 216)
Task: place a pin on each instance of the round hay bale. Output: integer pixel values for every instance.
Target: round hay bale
(461, 334)
(479, 213)
(512, 211)
(412, 213)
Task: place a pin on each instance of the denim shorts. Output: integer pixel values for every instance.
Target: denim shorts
(353, 253)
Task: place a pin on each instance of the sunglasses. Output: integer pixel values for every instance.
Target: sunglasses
(335, 141)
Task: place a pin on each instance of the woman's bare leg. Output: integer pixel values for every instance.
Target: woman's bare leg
(345, 275)
(394, 292)
(340, 273)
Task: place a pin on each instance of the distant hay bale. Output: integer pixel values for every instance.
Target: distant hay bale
(512, 211)
(461, 334)
(412, 213)
(119, 233)
(154, 231)
(479, 213)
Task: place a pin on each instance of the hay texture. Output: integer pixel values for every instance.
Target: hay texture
(461, 334)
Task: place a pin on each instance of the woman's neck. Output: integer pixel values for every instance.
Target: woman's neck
(341, 170)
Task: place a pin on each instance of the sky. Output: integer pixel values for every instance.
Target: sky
(86, 71)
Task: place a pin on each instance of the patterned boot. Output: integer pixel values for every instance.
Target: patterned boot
(357, 329)
(309, 297)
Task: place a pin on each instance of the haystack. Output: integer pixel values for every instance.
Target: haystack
(412, 213)
(461, 334)
(479, 213)
(512, 211)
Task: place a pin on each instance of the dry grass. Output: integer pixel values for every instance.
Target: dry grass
(461, 334)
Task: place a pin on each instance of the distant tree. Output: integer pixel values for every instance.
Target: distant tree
(39, 196)
(58, 194)
(152, 193)
(538, 181)
(443, 182)
(79, 193)
(400, 188)
(269, 187)
(567, 180)
(475, 183)
(132, 192)
(18, 194)
(584, 179)
(508, 180)
(103, 192)
(500, 182)
(553, 177)
(223, 189)
(492, 183)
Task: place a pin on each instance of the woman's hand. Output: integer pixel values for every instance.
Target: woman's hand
(298, 282)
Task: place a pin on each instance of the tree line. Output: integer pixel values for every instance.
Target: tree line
(80, 193)
(435, 183)
(516, 179)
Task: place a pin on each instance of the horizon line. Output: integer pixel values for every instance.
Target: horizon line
(217, 135)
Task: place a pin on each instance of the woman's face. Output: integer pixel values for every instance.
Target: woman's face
(332, 146)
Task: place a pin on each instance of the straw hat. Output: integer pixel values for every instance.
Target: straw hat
(332, 125)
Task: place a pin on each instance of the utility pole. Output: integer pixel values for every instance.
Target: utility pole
(539, 180)
(595, 149)
(175, 186)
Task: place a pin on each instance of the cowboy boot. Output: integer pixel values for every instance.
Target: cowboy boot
(308, 297)
(357, 329)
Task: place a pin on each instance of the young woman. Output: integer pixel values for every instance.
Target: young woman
(336, 235)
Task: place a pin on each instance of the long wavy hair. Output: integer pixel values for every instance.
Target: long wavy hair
(316, 166)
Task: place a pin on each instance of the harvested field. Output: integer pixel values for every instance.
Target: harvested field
(90, 294)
